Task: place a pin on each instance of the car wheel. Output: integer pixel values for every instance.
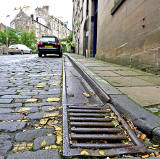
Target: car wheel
(22, 52)
(39, 54)
(60, 54)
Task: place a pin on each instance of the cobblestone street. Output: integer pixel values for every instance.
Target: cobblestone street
(30, 107)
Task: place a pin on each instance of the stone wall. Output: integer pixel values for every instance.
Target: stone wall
(131, 35)
(80, 26)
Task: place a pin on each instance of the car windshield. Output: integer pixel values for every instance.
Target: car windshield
(47, 39)
(12, 46)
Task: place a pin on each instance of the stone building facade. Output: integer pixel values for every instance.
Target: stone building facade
(41, 22)
(126, 32)
(2, 27)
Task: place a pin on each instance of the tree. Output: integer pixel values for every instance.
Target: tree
(67, 43)
(28, 38)
(2, 38)
(13, 38)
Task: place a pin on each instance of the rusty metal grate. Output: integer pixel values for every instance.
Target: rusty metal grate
(96, 130)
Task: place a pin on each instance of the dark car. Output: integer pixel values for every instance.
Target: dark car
(49, 45)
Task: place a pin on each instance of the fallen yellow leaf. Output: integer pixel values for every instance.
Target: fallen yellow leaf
(29, 145)
(53, 99)
(143, 136)
(57, 128)
(41, 85)
(43, 121)
(101, 152)
(45, 79)
(50, 115)
(152, 154)
(43, 143)
(84, 152)
(53, 108)
(59, 138)
(86, 94)
(50, 147)
(38, 127)
(31, 100)
(145, 156)
(70, 142)
(55, 83)
(155, 145)
(49, 134)
(23, 110)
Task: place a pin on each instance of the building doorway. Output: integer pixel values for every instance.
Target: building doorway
(95, 16)
(85, 39)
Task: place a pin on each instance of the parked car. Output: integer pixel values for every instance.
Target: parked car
(19, 49)
(49, 45)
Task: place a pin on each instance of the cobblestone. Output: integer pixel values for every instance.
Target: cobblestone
(15, 97)
(5, 145)
(11, 117)
(41, 104)
(36, 116)
(10, 105)
(11, 126)
(29, 110)
(30, 135)
(5, 110)
(5, 101)
(41, 154)
(50, 140)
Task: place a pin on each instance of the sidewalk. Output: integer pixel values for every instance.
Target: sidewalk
(130, 87)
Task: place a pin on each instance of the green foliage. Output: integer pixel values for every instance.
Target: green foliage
(67, 43)
(28, 39)
(13, 38)
(64, 48)
(2, 38)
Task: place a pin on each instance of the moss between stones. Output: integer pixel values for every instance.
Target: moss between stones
(154, 106)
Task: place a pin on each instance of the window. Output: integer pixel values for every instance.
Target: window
(117, 4)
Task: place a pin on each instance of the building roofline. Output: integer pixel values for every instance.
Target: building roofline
(53, 17)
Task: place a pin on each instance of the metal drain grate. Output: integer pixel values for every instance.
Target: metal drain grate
(93, 130)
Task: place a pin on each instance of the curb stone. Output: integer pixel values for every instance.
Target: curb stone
(144, 120)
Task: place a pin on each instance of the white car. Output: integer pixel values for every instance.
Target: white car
(19, 49)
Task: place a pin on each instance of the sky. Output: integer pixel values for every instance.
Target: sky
(57, 8)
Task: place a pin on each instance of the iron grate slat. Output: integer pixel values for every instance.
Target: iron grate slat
(94, 128)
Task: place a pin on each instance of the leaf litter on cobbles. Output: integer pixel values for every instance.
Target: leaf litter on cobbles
(21, 147)
(33, 100)
(43, 143)
(23, 110)
(41, 85)
(53, 99)
(86, 94)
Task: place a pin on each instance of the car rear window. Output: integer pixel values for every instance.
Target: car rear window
(46, 39)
